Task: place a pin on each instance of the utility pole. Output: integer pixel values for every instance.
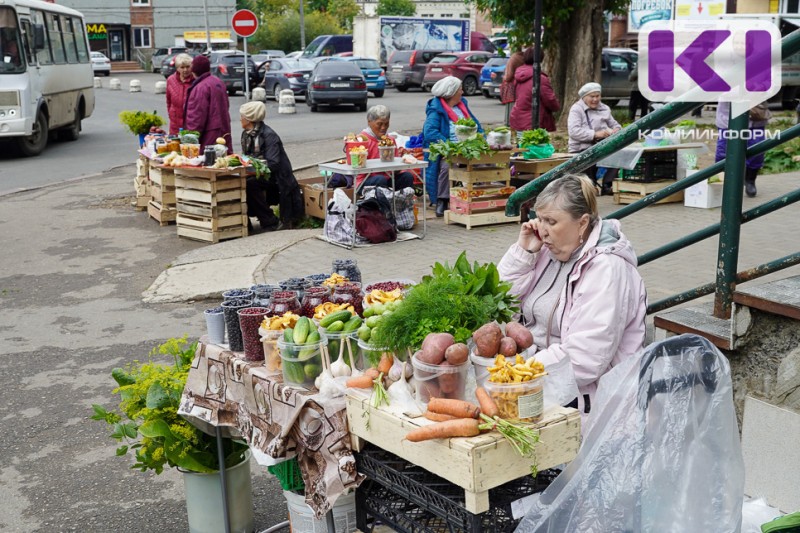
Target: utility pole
(302, 28)
(208, 31)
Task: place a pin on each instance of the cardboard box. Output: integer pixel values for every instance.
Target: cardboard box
(314, 196)
(704, 195)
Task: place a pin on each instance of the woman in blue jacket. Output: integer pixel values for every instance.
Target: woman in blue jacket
(441, 114)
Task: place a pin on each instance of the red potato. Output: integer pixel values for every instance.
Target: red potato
(457, 353)
(521, 335)
(449, 381)
(428, 389)
(508, 347)
(487, 339)
(434, 346)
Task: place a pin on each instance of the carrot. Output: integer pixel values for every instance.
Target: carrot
(386, 363)
(488, 406)
(464, 427)
(363, 381)
(457, 408)
(436, 417)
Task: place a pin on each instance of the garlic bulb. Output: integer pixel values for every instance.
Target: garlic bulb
(339, 368)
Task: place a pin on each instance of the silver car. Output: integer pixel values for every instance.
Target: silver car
(159, 55)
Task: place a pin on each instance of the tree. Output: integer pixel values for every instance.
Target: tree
(283, 33)
(344, 11)
(398, 8)
(573, 39)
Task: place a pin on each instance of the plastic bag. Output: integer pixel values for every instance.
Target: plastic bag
(560, 387)
(661, 449)
(539, 151)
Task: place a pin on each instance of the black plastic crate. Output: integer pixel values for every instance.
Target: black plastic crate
(410, 499)
(653, 166)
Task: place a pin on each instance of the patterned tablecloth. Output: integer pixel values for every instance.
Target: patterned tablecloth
(249, 402)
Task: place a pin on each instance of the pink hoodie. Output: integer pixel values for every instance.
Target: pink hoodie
(603, 321)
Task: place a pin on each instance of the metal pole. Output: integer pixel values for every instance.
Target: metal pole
(223, 481)
(208, 31)
(302, 28)
(537, 66)
(246, 73)
(731, 217)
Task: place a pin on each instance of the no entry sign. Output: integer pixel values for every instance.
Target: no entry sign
(244, 23)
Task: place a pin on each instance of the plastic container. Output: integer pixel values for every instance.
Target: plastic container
(350, 145)
(358, 159)
(523, 402)
(190, 150)
(301, 517)
(386, 153)
(440, 381)
(272, 356)
(312, 297)
(288, 474)
(301, 363)
(350, 293)
(249, 321)
(344, 344)
(368, 353)
(237, 294)
(481, 365)
(465, 133)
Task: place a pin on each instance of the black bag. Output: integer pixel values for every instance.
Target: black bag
(374, 219)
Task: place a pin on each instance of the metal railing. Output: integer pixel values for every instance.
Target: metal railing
(731, 216)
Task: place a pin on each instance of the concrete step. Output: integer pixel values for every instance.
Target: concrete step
(698, 320)
(780, 297)
(126, 66)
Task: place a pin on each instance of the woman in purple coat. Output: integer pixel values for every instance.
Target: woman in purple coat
(206, 108)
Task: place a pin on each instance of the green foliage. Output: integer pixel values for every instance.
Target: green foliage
(139, 122)
(784, 158)
(534, 138)
(344, 11)
(468, 122)
(397, 8)
(262, 170)
(150, 395)
(283, 33)
(471, 149)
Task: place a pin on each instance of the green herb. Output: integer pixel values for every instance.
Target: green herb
(140, 122)
(468, 122)
(261, 168)
(470, 149)
(534, 138)
(784, 158)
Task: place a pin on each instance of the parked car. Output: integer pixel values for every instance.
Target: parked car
(168, 66)
(492, 76)
(295, 54)
(100, 64)
(160, 54)
(406, 68)
(273, 53)
(372, 71)
(618, 63)
(229, 67)
(328, 45)
(465, 66)
(336, 82)
(279, 74)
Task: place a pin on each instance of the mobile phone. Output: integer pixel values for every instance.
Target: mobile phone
(536, 233)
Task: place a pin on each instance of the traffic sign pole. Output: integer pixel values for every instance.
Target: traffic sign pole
(246, 72)
(245, 24)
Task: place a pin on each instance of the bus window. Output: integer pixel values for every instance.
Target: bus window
(80, 40)
(54, 36)
(11, 59)
(27, 33)
(45, 55)
(69, 40)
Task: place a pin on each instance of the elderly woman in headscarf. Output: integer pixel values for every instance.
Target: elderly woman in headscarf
(259, 141)
(441, 114)
(590, 122)
(177, 87)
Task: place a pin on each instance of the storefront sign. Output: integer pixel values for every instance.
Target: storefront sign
(96, 32)
(201, 35)
(640, 12)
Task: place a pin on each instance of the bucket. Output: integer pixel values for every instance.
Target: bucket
(301, 517)
(518, 401)
(481, 365)
(439, 381)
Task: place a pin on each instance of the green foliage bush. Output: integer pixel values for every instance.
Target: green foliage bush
(283, 33)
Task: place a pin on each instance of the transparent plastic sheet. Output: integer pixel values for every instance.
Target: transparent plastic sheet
(661, 450)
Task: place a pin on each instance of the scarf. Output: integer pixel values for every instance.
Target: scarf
(251, 145)
(452, 114)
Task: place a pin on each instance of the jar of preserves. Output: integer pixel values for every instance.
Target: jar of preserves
(283, 302)
(174, 144)
(349, 292)
(312, 297)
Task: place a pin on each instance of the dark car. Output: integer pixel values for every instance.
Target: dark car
(168, 65)
(229, 67)
(465, 66)
(372, 71)
(279, 74)
(337, 82)
(618, 63)
(406, 68)
(492, 76)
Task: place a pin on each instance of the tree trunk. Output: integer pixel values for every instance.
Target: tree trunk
(574, 57)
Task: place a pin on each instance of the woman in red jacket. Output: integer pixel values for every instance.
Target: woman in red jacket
(177, 86)
(520, 119)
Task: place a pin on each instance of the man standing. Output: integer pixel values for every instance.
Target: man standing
(206, 108)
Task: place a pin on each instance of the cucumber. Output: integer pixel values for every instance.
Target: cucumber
(344, 316)
(352, 325)
(288, 335)
(336, 326)
(294, 372)
(313, 348)
(301, 330)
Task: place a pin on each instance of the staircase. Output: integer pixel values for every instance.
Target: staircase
(126, 66)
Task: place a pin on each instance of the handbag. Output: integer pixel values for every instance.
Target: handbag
(508, 92)
(760, 113)
(373, 226)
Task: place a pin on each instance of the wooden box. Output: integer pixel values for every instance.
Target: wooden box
(627, 192)
(533, 168)
(164, 195)
(475, 464)
(499, 159)
(478, 219)
(162, 214)
(314, 196)
(211, 203)
(164, 176)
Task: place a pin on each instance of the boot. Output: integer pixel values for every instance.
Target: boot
(440, 208)
(750, 175)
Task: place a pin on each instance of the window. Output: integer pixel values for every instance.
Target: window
(45, 55)
(80, 40)
(139, 3)
(28, 32)
(69, 40)
(141, 38)
(54, 35)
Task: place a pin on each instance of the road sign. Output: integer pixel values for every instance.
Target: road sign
(245, 23)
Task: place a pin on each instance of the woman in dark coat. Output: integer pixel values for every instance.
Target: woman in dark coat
(281, 188)
(206, 108)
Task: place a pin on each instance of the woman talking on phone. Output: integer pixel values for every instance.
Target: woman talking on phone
(575, 274)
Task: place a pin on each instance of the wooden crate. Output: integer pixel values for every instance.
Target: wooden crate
(627, 192)
(141, 187)
(163, 215)
(211, 199)
(478, 219)
(212, 236)
(475, 464)
(164, 195)
(499, 159)
(205, 210)
(479, 205)
(533, 168)
(142, 166)
(211, 203)
(164, 176)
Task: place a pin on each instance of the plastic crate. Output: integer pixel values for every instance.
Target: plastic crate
(410, 499)
(288, 474)
(653, 166)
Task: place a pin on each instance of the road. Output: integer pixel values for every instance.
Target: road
(105, 143)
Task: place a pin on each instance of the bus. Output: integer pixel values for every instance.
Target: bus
(46, 78)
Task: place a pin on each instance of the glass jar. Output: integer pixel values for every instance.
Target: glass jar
(347, 268)
(298, 285)
(283, 302)
(349, 292)
(173, 144)
(313, 297)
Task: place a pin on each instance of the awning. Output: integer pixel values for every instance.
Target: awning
(214, 40)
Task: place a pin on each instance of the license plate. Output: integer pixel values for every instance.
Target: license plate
(339, 85)
(305, 76)
(496, 90)
(397, 69)
(436, 69)
(238, 70)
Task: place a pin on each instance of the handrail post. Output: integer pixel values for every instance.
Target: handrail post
(731, 216)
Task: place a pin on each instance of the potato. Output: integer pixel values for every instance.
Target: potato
(456, 354)
(450, 383)
(521, 335)
(487, 339)
(508, 347)
(427, 390)
(434, 346)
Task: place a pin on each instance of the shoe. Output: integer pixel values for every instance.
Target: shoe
(440, 208)
(269, 225)
(750, 175)
(606, 191)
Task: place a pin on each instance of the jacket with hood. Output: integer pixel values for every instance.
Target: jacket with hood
(584, 121)
(520, 118)
(603, 319)
(206, 110)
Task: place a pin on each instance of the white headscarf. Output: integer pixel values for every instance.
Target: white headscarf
(446, 87)
(591, 87)
(254, 111)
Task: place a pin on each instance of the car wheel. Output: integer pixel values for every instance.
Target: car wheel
(276, 92)
(470, 86)
(401, 88)
(71, 132)
(362, 106)
(486, 94)
(34, 143)
(107, 73)
(378, 94)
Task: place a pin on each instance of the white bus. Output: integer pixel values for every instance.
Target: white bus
(46, 79)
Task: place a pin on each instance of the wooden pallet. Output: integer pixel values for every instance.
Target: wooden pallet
(212, 236)
(533, 168)
(163, 215)
(163, 195)
(627, 192)
(164, 176)
(478, 219)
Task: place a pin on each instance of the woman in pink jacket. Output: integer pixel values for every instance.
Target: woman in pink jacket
(520, 118)
(177, 87)
(575, 274)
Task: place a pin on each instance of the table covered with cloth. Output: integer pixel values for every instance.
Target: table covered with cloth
(249, 402)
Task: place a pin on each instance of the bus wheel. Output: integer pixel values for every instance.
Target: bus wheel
(34, 143)
(71, 132)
